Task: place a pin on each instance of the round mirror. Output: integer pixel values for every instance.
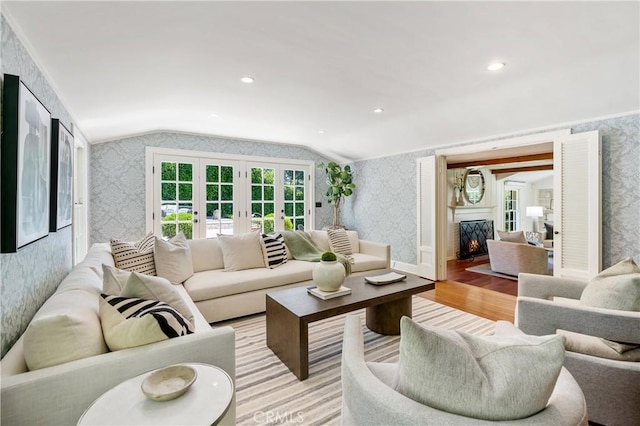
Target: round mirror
(473, 186)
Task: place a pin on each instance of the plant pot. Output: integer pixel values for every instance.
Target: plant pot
(328, 275)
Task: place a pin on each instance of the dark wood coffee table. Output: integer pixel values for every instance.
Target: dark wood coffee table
(290, 311)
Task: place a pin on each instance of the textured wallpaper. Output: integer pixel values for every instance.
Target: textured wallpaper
(24, 287)
(384, 205)
(117, 187)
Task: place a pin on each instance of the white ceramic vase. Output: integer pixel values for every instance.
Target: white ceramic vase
(328, 275)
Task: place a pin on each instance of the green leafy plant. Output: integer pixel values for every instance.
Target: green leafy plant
(340, 184)
(328, 256)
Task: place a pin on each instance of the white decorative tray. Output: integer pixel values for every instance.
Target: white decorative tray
(168, 383)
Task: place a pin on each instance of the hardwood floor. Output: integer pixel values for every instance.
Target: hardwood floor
(487, 296)
(475, 300)
(456, 271)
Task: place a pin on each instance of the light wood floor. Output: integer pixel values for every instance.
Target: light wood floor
(475, 300)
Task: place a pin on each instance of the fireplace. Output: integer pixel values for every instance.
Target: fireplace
(473, 238)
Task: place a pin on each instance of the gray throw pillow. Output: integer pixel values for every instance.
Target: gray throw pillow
(617, 287)
(491, 377)
(512, 237)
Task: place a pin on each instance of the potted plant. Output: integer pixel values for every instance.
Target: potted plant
(340, 181)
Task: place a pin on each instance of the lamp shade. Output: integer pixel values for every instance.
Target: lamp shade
(535, 211)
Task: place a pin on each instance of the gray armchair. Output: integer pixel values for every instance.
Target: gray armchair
(368, 396)
(611, 387)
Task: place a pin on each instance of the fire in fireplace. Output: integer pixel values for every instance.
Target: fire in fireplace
(473, 237)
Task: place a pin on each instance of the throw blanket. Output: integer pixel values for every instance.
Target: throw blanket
(302, 247)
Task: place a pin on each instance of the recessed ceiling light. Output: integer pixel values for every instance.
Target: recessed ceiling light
(378, 110)
(495, 66)
(213, 115)
(247, 79)
(321, 132)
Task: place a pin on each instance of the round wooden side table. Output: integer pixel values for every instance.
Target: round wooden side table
(205, 403)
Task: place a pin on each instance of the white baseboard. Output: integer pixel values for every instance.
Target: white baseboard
(404, 267)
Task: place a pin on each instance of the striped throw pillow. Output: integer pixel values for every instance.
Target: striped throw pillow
(339, 242)
(129, 322)
(135, 257)
(274, 250)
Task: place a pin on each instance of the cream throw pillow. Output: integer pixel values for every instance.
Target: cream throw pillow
(155, 288)
(491, 378)
(512, 237)
(130, 322)
(173, 259)
(117, 282)
(242, 251)
(136, 256)
(617, 287)
(113, 279)
(339, 242)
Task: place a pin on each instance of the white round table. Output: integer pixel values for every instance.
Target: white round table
(206, 402)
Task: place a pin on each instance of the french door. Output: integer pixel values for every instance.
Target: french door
(204, 197)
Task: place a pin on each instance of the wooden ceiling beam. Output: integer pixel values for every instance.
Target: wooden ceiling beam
(522, 169)
(518, 159)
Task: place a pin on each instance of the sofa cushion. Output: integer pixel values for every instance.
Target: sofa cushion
(601, 348)
(242, 251)
(173, 258)
(339, 242)
(65, 328)
(130, 322)
(206, 254)
(136, 256)
(365, 262)
(512, 237)
(617, 287)
(99, 254)
(274, 250)
(354, 240)
(218, 283)
(320, 239)
(485, 377)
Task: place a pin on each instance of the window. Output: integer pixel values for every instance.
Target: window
(511, 217)
(206, 194)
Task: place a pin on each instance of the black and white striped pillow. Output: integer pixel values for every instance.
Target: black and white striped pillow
(135, 257)
(274, 250)
(339, 242)
(129, 321)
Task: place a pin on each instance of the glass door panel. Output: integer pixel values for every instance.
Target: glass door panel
(263, 199)
(219, 200)
(176, 198)
(294, 198)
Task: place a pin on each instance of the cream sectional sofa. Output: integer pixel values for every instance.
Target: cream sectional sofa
(58, 395)
(222, 295)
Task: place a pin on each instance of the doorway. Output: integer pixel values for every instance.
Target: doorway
(576, 185)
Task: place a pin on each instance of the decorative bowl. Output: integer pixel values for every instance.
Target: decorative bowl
(169, 382)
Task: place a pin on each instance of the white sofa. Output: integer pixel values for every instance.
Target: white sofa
(58, 395)
(222, 295)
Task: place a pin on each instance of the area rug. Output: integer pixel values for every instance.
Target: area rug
(268, 393)
(486, 270)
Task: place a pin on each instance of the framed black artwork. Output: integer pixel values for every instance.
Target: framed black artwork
(61, 200)
(25, 156)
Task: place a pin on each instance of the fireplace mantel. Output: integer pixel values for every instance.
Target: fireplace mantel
(470, 210)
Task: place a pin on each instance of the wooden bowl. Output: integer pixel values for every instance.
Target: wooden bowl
(169, 382)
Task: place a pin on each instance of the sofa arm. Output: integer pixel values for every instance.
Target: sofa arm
(376, 249)
(60, 394)
(541, 317)
(546, 287)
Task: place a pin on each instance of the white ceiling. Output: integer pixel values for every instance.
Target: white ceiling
(125, 68)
